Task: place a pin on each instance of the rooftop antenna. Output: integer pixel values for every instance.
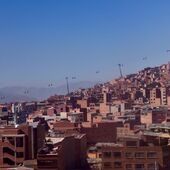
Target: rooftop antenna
(120, 69)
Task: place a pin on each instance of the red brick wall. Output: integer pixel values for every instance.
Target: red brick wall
(104, 132)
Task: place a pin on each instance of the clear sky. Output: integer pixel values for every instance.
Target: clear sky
(42, 41)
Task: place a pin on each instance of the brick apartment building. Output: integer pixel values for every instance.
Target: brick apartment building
(134, 154)
(155, 116)
(101, 132)
(19, 143)
(63, 152)
(3, 115)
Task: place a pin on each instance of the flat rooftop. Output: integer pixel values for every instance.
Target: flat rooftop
(55, 140)
(109, 144)
(159, 126)
(17, 168)
(12, 135)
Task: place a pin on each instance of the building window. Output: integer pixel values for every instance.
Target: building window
(4, 109)
(117, 154)
(107, 165)
(117, 164)
(166, 153)
(152, 155)
(100, 155)
(152, 166)
(19, 142)
(107, 154)
(47, 163)
(140, 155)
(139, 166)
(20, 154)
(129, 155)
(131, 143)
(129, 166)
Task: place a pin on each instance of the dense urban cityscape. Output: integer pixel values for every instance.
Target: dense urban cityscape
(123, 124)
(84, 85)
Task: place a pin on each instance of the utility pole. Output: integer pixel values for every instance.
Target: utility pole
(120, 69)
(67, 83)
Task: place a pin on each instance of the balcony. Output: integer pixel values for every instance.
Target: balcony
(7, 144)
(13, 158)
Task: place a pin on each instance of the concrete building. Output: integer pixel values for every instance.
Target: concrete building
(163, 96)
(76, 117)
(155, 97)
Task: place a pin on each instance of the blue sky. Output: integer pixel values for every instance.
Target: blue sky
(42, 41)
